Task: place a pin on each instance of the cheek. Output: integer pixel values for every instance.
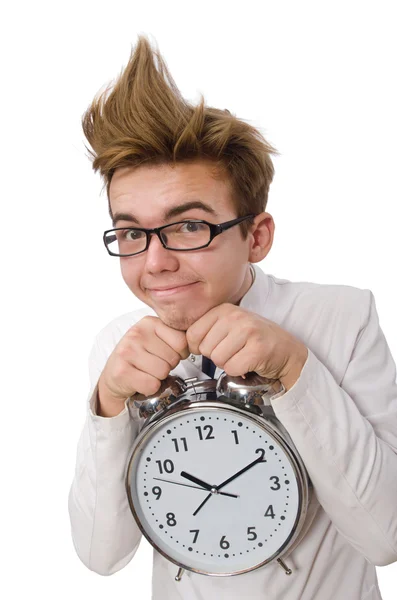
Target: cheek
(129, 273)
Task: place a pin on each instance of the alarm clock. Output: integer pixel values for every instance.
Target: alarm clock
(214, 481)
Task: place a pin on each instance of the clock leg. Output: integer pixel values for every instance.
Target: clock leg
(282, 564)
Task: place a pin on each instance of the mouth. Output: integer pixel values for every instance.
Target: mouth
(160, 292)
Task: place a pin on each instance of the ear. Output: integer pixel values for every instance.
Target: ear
(261, 237)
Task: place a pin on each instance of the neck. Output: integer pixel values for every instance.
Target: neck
(250, 278)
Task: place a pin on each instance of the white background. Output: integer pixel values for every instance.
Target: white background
(318, 78)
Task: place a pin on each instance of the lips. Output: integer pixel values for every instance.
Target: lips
(179, 289)
(169, 287)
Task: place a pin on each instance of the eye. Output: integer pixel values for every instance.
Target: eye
(132, 234)
(192, 227)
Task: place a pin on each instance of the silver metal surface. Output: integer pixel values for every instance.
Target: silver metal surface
(282, 564)
(272, 427)
(251, 390)
(171, 388)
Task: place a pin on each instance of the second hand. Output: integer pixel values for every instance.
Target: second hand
(195, 487)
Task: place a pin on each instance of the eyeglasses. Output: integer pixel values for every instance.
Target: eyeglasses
(181, 236)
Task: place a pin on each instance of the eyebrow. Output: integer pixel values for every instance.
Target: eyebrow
(169, 213)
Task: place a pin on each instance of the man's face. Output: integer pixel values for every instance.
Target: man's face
(201, 279)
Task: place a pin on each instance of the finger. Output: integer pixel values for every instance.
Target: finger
(157, 347)
(197, 332)
(233, 343)
(150, 363)
(240, 362)
(172, 337)
(245, 361)
(144, 383)
(218, 332)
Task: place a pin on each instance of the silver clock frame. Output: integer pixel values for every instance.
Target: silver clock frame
(159, 413)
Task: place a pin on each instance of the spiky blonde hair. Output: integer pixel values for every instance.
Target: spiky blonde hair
(145, 120)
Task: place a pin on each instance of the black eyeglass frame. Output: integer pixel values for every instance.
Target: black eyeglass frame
(215, 229)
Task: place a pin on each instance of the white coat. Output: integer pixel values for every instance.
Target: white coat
(342, 416)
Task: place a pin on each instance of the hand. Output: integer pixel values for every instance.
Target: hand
(215, 489)
(206, 486)
(141, 360)
(239, 341)
(195, 487)
(251, 464)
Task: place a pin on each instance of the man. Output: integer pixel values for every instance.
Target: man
(173, 172)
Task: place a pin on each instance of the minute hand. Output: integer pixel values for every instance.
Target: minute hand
(255, 462)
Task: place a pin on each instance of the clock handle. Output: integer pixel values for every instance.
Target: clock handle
(250, 389)
(170, 389)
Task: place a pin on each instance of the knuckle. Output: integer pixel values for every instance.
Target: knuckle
(164, 371)
(133, 336)
(151, 386)
(180, 342)
(238, 315)
(119, 371)
(217, 359)
(232, 371)
(148, 321)
(174, 361)
(143, 325)
(123, 352)
(190, 335)
(251, 331)
(203, 350)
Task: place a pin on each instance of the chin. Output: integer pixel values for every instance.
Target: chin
(180, 322)
(177, 318)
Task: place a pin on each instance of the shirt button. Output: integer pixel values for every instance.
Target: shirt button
(192, 358)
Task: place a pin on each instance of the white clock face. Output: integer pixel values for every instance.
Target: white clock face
(180, 489)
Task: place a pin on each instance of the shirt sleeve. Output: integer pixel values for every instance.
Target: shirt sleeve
(104, 532)
(347, 437)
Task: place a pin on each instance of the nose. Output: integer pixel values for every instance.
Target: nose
(159, 258)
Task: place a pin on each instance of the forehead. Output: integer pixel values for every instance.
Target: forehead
(149, 191)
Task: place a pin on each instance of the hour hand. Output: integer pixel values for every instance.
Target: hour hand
(194, 479)
(211, 488)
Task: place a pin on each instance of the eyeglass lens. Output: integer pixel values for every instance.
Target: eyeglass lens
(177, 236)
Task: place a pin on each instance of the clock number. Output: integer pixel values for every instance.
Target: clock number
(270, 512)
(167, 465)
(234, 432)
(224, 544)
(171, 519)
(196, 532)
(209, 435)
(277, 484)
(261, 451)
(157, 491)
(250, 531)
(183, 440)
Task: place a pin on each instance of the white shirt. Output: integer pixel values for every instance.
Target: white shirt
(342, 417)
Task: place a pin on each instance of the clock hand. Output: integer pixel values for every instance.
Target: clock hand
(202, 504)
(200, 482)
(195, 487)
(255, 462)
(218, 487)
(211, 488)
(177, 483)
